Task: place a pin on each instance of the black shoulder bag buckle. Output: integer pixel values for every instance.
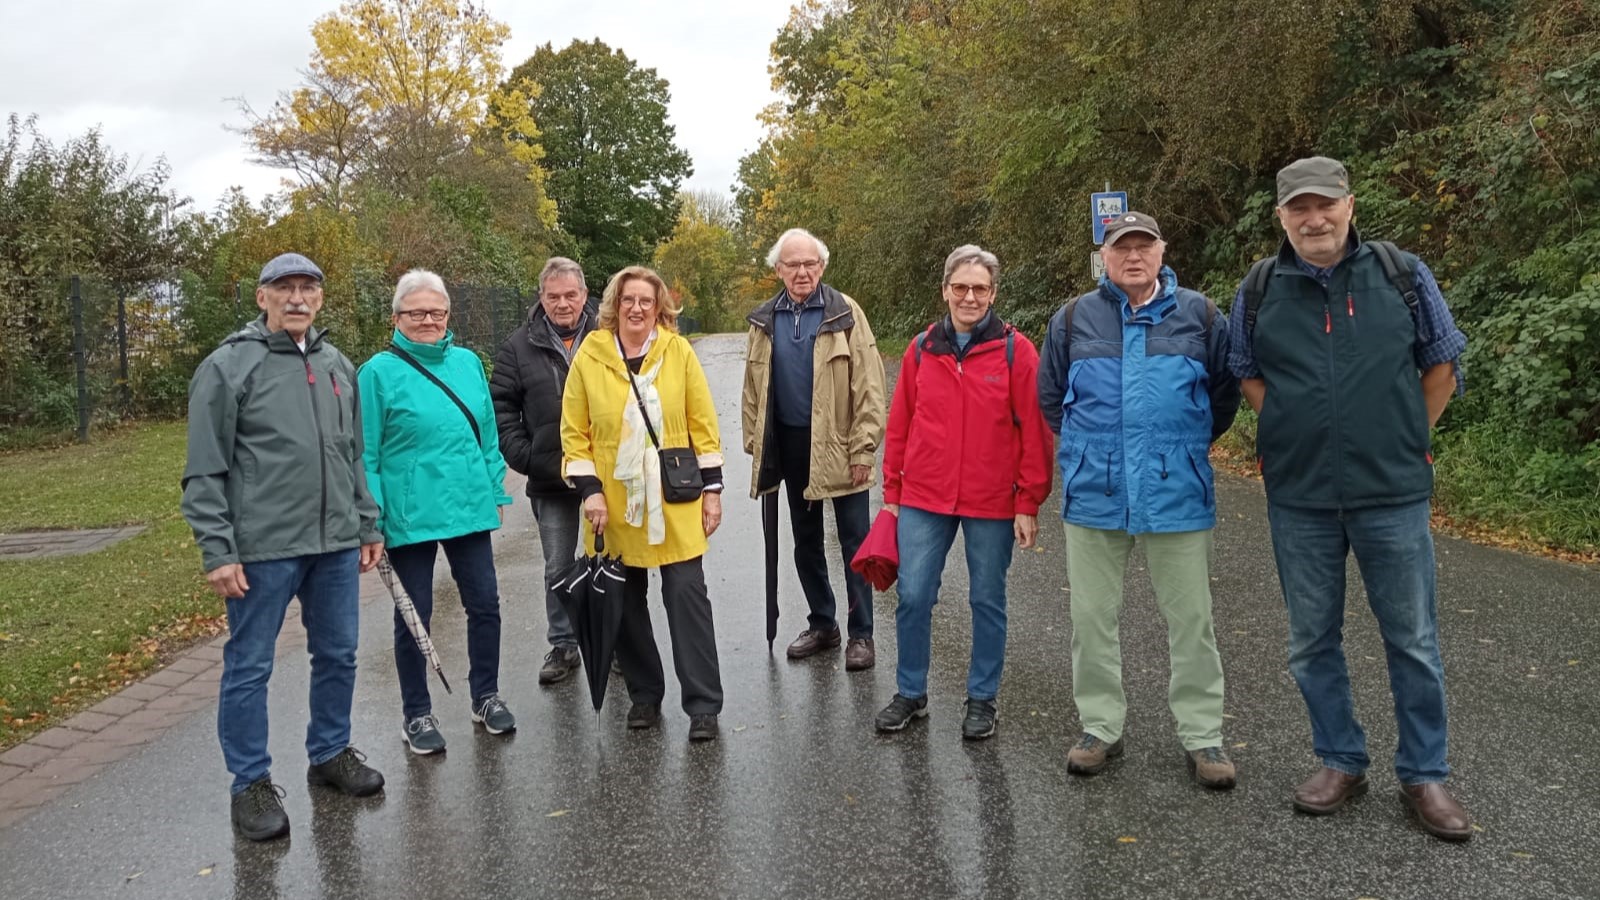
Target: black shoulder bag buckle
(680, 468)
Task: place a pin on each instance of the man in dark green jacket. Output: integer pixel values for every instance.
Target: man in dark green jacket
(276, 494)
(1349, 366)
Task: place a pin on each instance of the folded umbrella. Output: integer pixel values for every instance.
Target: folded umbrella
(591, 593)
(769, 532)
(408, 614)
(878, 560)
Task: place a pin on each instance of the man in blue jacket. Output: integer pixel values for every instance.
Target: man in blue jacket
(1134, 380)
(1348, 375)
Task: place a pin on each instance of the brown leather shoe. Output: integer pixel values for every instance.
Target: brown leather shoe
(1327, 791)
(809, 642)
(1439, 813)
(859, 654)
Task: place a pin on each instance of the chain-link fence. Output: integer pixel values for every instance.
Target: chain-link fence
(80, 352)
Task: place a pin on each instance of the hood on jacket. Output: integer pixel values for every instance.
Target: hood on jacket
(279, 341)
(836, 314)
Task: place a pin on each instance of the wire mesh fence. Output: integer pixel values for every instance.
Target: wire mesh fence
(78, 352)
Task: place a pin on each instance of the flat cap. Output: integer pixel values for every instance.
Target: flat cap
(1313, 175)
(286, 264)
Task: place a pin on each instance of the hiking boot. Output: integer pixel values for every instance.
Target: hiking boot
(1328, 791)
(859, 654)
(644, 715)
(422, 735)
(703, 727)
(979, 723)
(348, 772)
(899, 713)
(258, 811)
(1439, 813)
(559, 663)
(1210, 767)
(494, 715)
(1091, 755)
(809, 642)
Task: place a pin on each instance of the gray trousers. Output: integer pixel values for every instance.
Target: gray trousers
(694, 639)
(558, 519)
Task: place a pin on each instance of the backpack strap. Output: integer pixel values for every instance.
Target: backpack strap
(412, 361)
(1255, 289)
(1011, 355)
(917, 344)
(1397, 267)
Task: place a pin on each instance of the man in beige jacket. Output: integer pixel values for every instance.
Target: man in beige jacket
(813, 417)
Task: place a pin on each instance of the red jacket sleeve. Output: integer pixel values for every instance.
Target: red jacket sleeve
(1034, 440)
(900, 411)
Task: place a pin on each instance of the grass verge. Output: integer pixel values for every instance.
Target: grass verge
(74, 629)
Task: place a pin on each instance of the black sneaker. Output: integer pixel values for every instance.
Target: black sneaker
(258, 811)
(348, 772)
(494, 715)
(899, 713)
(644, 715)
(979, 723)
(559, 663)
(422, 735)
(703, 727)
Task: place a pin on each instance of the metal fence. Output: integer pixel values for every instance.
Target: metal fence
(79, 352)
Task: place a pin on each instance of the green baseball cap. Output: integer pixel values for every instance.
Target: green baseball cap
(1313, 175)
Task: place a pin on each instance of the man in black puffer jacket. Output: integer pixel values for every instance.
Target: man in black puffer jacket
(530, 373)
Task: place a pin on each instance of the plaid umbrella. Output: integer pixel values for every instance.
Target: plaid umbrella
(408, 614)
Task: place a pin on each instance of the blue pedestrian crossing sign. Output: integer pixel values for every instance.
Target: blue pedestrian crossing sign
(1104, 208)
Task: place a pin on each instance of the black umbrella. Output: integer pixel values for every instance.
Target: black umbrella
(769, 531)
(591, 593)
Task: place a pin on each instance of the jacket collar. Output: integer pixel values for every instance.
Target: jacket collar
(836, 315)
(1289, 261)
(431, 352)
(1164, 302)
(277, 341)
(940, 338)
(601, 347)
(541, 333)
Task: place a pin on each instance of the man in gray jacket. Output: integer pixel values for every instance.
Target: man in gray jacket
(277, 497)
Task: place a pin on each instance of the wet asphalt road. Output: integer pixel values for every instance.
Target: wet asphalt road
(800, 798)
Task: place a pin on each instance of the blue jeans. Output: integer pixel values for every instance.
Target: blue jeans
(330, 605)
(558, 519)
(925, 539)
(471, 559)
(1394, 551)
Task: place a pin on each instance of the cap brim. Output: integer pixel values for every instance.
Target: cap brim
(1131, 229)
(1330, 193)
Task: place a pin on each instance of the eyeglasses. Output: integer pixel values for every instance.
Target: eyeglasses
(980, 291)
(422, 315)
(569, 297)
(640, 302)
(1135, 249)
(801, 265)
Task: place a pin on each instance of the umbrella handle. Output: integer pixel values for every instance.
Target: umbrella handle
(599, 542)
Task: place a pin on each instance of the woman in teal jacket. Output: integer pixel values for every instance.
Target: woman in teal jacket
(433, 464)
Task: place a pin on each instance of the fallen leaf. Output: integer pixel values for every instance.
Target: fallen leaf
(208, 870)
(133, 876)
(1127, 839)
(1226, 716)
(1572, 662)
(740, 727)
(1520, 855)
(1241, 745)
(1477, 827)
(1485, 640)
(1466, 610)
(850, 799)
(557, 814)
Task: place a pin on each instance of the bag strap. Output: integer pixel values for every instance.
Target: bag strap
(638, 396)
(1255, 290)
(471, 419)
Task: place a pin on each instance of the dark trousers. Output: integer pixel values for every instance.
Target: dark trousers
(694, 639)
(851, 513)
(471, 559)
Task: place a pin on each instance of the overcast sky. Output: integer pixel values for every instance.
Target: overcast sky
(156, 76)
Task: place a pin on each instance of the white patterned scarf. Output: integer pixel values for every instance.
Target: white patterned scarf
(638, 463)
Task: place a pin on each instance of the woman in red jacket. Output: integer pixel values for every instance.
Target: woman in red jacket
(966, 447)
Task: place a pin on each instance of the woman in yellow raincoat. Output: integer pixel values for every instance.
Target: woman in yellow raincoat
(609, 456)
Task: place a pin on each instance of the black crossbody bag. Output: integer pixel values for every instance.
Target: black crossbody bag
(680, 468)
(471, 419)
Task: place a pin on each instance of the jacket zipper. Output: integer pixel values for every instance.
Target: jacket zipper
(322, 455)
(1333, 394)
(336, 395)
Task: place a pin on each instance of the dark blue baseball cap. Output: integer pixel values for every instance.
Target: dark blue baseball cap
(286, 264)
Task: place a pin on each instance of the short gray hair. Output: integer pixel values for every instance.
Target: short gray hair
(971, 253)
(558, 266)
(772, 255)
(418, 280)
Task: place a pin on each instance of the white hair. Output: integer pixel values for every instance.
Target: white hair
(418, 280)
(772, 255)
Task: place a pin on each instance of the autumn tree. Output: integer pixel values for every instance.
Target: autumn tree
(614, 167)
(701, 259)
